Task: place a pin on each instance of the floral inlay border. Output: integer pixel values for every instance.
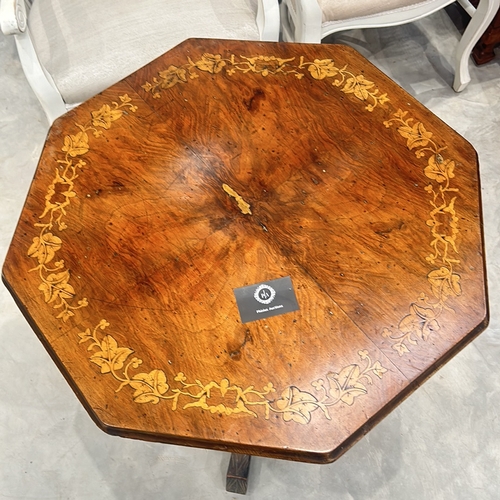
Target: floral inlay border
(294, 404)
(319, 69)
(55, 278)
(422, 319)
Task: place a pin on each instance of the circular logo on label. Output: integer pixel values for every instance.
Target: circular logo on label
(264, 294)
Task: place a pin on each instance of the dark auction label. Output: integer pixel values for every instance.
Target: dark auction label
(266, 299)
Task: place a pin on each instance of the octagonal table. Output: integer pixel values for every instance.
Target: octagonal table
(215, 170)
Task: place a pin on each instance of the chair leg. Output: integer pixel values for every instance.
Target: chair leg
(237, 473)
(42, 84)
(481, 19)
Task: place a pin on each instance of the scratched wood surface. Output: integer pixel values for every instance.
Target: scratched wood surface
(224, 164)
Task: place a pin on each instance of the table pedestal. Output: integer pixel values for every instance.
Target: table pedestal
(237, 473)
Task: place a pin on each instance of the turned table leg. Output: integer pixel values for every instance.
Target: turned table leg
(237, 473)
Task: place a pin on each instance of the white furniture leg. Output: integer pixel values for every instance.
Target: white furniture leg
(480, 20)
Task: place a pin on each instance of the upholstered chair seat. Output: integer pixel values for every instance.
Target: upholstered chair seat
(340, 10)
(310, 21)
(73, 49)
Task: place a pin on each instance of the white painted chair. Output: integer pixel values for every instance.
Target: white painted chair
(71, 50)
(310, 21)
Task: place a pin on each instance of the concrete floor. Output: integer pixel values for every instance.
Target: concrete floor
(442, 443)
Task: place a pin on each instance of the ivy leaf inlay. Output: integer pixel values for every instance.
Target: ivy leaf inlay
(44, 248)
(149, 386)
(345, 385)
(297, 405)
(76, 145)
(421, 321)
(444, 283)
(111, 357)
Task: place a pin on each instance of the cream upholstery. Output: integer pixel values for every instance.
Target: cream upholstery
(339, 10)
(124, 37)
(81, 47)
(310, 21)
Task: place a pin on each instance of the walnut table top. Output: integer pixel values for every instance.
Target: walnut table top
(225, 164)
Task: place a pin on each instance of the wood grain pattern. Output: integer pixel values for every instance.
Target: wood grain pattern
(223, 164)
